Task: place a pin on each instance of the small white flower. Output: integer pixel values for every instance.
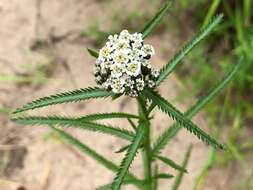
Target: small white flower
(117, 86)
(117, 70)
(151, 83)
(148, 50)
(155, 73)
(105, 53)
(133, 68)
(121, 57)
(122, 45)
(124, 35)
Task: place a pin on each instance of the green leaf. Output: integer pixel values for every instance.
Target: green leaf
(170, 132)
(168, 68)
(93, 52)
(180, 175)
(124, 148)
(153, 23)
(163, 176)
(66, 138)
(72, 96)
(166, 107)
(101, 116)
(73, 122)
(129, 157)
(171, 163)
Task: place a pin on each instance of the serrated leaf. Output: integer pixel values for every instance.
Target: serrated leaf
(153, 23)
(129, 157)
(170, 132)
(73, 122)
(66, 138)
(71, 96)
(171, 163)
(168, 68)
(175, 114)
(101, 116)
(180, 175)
(93, 52)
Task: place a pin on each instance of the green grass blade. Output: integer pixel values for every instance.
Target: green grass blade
(153, 23)
(180, 175)
(73, 122)
(66, 138)
(170, 132)
(93, 52)
(72, 96)
(166, 107)
(171, 163)
(211, 11)
(101, 116)
(168, 68)
(129, 157)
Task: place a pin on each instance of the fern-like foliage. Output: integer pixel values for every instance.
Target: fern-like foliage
(168, 68)
(170, 132)
(73, 122)
(129, 157)
(71, 96)
(93, 52)
(175, 114)
(66, 138)
(154, 22)
(101, 116)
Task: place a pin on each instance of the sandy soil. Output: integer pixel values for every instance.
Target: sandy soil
(46, 33)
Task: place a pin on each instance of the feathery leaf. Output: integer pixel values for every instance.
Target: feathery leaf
(175, 114)
(73, 122)
(170, 132)
(171, 163)
(180, 175)
(129, 157)
(93, 52)
(71, 96)
(153, 23)
(66, 138)
(168, 68)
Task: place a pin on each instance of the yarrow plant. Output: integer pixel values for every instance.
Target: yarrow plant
(123, 64)
(123, 68)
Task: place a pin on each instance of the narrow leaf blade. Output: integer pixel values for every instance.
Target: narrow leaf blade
(68, 139)
(93, 52)
(171, 163)
(168, 68)
(112, 115)
(166, 107)
(180, 175)
(170, 132)
(72, 96)
(73, 122)
(129, 157)
(153, 23)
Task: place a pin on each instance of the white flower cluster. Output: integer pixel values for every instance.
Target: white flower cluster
(123, 65)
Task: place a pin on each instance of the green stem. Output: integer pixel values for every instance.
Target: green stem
(146, 153)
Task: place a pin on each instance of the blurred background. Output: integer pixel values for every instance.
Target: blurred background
(43, 51)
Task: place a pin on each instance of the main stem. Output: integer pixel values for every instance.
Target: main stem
(146, 153)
